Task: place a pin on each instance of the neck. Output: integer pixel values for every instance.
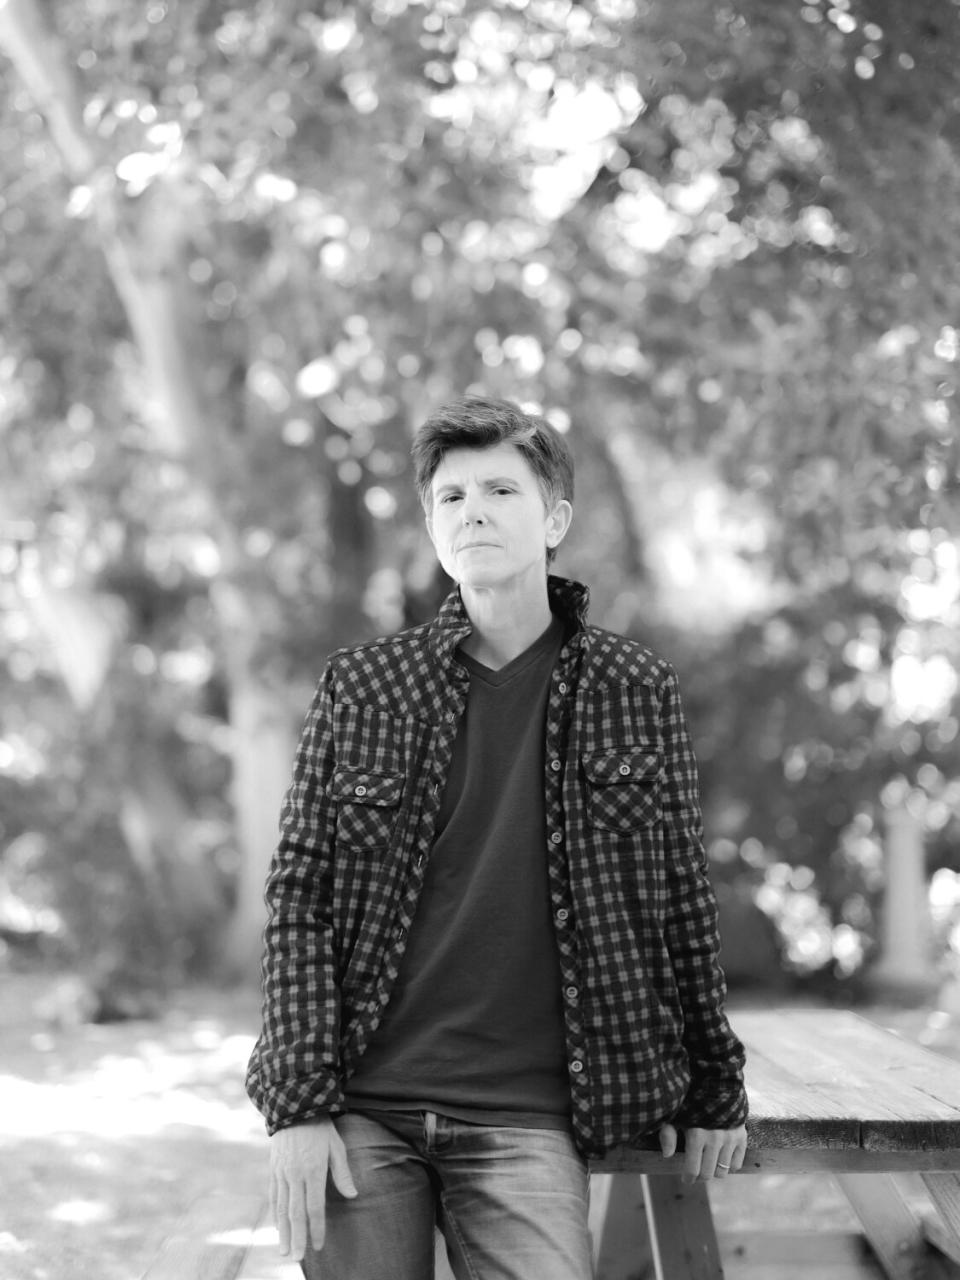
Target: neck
(504, 623)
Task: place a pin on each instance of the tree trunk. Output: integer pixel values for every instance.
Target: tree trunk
(263, 746)
(145, 245)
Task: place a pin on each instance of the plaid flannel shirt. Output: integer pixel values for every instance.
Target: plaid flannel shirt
(635, 917)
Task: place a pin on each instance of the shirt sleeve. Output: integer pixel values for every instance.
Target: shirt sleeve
(293, 1074)
(716, 1098)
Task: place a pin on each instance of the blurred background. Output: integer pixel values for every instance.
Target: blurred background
(247, 248)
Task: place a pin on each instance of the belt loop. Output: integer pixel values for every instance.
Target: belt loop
(430, 1127)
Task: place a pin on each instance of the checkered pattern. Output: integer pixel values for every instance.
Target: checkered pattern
(635, 917)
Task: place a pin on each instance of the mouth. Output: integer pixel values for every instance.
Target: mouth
(474, 546)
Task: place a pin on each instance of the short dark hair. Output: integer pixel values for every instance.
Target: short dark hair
(480, 422)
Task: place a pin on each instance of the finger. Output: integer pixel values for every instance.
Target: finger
(314, 1201)
(297, 1213)
(280, 1197)
(668, 1140)
(273, 1196)
(693, 1157)
(724, 1163)
(340, 1168)
(316, 1214)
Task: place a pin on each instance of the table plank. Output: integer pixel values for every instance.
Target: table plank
(901, 1095)
(785, 1112)
(791, 1160)
(895, 1235)
(798, 1255)
(683, 1239)
(622, 1249)
(262, 1260)
(944, 1189)
(210, 1240)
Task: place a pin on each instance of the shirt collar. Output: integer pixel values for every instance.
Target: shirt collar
(568, 599)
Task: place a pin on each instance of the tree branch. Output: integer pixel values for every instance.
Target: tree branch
(38, 54)
(146, 266)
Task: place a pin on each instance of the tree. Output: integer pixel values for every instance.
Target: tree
(255, 245)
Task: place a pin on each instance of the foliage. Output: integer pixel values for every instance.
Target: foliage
(712, 241)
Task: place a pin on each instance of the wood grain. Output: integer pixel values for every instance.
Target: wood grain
(211, 1240)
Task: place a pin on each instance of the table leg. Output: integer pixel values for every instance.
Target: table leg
(888, 1223)
(623, 1243)
(682, 1236)
(944, 1191)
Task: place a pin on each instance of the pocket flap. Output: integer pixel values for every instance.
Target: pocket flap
(627, 764)
(362, 786)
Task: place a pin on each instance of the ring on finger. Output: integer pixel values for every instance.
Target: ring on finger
(724, 1167)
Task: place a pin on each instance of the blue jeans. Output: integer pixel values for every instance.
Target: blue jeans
(511, 1203)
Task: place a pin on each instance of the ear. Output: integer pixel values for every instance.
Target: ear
(428, 521)
(558, 522)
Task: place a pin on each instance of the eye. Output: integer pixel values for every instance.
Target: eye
(448, 498)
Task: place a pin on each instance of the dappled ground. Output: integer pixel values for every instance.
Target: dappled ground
(108, 1133)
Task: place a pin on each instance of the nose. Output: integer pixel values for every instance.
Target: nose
(472, 511)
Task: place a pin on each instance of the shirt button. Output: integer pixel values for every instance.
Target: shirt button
(571, 993)
(624, 770)
(563, 915)
(401, 933)
(360, 791)
(576, 1066)
(555, 766)
(562, 686)
(556, 838)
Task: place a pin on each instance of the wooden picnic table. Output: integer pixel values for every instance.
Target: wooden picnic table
(830, 1093)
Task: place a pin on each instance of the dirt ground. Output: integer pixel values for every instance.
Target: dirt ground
(108, 1133)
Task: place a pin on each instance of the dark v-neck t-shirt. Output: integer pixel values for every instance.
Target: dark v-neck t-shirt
(474, 1027)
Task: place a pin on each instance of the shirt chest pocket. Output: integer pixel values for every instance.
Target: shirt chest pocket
(623, 788)
(367, 807)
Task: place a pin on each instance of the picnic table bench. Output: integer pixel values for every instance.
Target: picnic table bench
(830, 1093)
